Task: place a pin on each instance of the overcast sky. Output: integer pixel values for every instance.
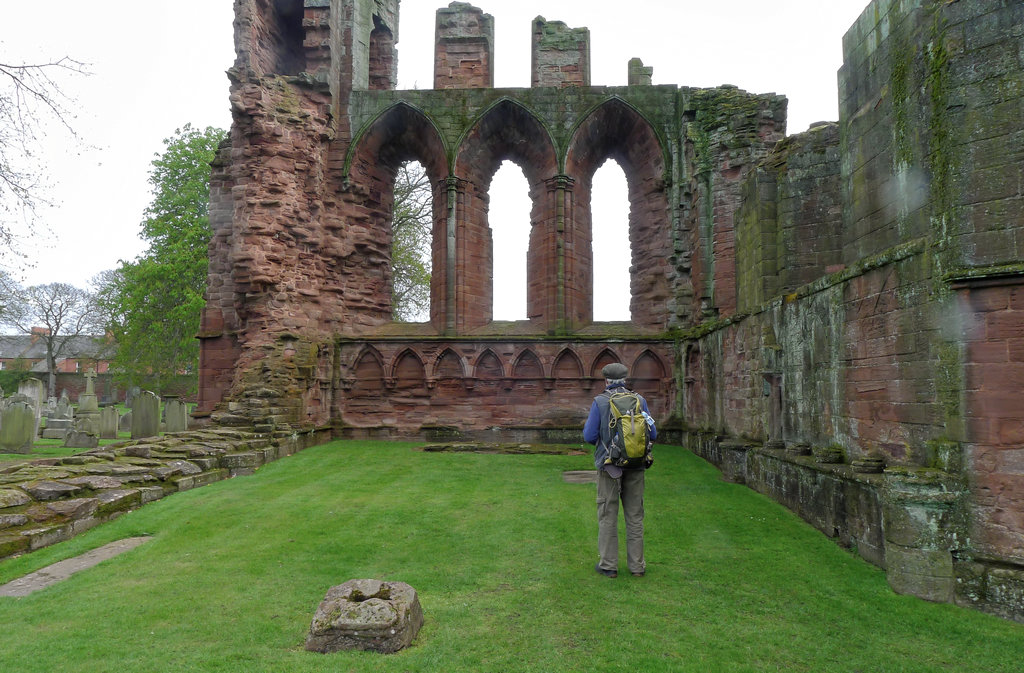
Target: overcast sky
(158, 64)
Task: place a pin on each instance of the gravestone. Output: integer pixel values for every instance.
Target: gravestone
(61, 421)
(18, 427)
(175, 415)
(78, 439)
(88, 406)
(125, 424)
(35, 391)
(109, 423)
(64, 408)
(146, 415)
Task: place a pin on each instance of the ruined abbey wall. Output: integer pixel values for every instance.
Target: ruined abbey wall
(850, 293)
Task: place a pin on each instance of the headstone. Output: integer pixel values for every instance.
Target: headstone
(125, 424)
(366, 615)
(36, 392)
(57, 428)
(176, 415)
(61, 421)
(146, 415)
(64, 408)
(88, 406)
(78, 439)
(108, 422)
(18, 427)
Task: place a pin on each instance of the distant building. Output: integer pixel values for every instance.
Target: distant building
(77, 354)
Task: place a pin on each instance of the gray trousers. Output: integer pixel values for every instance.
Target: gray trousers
(630, 489)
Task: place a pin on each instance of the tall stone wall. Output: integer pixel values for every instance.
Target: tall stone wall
(888, 328)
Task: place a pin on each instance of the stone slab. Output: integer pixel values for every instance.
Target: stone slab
(62, 570)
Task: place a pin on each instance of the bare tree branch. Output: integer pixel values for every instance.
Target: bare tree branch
(30, 97)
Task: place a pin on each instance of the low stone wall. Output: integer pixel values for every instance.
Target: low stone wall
(911, 522)
(46, 501)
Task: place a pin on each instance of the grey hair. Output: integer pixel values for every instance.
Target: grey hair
(616, 382)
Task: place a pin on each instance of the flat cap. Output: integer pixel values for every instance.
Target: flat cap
(615, 371)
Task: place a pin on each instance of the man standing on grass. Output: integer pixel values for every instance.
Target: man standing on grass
(615, 482)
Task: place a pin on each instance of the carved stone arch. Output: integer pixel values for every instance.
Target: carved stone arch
(647, 377)
(398, 134)
(488, 366)
(567, 365)
(448, 377)
(568, 372)
(408, 372)
(527, 366)
(507, 130)
(605, 357)
(449, 365)
(606, 131)
(367, 373)
(648, 366)
(617, 130)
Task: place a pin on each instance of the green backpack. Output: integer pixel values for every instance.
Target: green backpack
(630, 445)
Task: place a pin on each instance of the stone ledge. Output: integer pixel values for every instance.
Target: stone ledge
(46, 501)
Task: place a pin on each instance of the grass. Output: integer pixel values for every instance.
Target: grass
(501, 551)
(54, 448)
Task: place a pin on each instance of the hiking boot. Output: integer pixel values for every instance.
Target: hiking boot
(607, 573)
(639, 574)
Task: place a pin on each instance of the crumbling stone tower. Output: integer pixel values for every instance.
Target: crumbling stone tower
(851, 293)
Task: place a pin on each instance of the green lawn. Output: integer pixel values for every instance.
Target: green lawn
(54, 448)
(501, 551)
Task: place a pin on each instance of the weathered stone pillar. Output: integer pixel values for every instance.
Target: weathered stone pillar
(561, 55)
(463, 48)
(639, 74)
(559, 263)
(922, 523)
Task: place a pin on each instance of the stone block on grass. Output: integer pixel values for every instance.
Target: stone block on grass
(366, 614)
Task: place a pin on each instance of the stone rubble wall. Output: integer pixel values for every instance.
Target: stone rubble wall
(50, 500)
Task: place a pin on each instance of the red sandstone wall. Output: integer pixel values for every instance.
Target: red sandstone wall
(727, 133)
(992, 316)
(406, 385)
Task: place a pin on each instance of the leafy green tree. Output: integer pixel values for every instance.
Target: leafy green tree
(152, 304)
(410, 246)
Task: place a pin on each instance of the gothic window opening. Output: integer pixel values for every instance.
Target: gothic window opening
(509, 219)
(286, 27)
(382, 57)
(411, 230)
(611, 246)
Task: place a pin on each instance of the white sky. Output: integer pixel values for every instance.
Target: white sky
(158, 64)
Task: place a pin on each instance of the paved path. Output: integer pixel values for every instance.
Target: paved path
(62, 570)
